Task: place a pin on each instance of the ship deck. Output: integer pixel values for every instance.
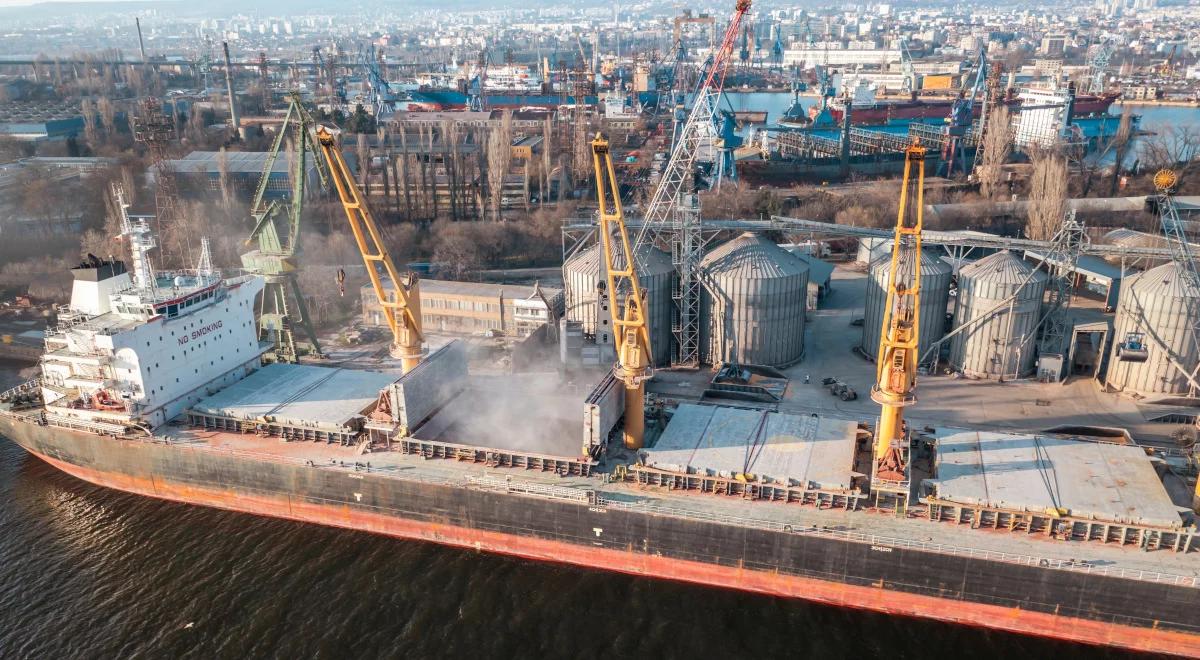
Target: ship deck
(807, 450)
(1026, 472)
(299, 396)
(868, 526)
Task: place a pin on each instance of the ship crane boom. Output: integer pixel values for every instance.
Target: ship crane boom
(896, 370)
(628, 319)
(401, 309)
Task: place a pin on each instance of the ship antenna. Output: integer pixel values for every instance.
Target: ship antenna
(141, 241)
(204, 269)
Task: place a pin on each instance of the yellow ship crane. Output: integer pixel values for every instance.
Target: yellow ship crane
(896, 371)
(629, 320)
(403, 308)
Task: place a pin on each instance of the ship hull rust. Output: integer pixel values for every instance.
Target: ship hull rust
(1091, 609)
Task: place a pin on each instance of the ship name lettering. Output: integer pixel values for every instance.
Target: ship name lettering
(597, 509)
(200, 332)
(881, 548)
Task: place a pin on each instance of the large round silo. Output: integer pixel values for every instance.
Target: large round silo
(1156, 309)
(1000, 302)
(656, 275)
(752, 303)
(935, 294)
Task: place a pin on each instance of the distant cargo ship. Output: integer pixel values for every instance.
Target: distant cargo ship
(866, 110)
(449, 99)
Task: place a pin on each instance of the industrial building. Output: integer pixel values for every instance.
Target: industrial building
(840, 56)
(820, 277)
(512, 310)
(40, 120)
(199, 173)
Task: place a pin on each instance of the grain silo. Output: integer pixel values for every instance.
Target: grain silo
(584, 271)
(752, 303)
(1000, 302)
(1157, 310)
(935, 294)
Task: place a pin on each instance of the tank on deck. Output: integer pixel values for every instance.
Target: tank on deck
(752, 304)
(656, 275)
(935, 293)
(1154, 322)
(1000, 339)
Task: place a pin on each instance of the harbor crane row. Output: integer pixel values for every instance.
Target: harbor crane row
(402, 305)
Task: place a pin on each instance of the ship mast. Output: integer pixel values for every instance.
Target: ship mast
(141, 241)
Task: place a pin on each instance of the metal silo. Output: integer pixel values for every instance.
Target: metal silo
(935, 293)
(752, 303)
(1157, 310)
(1000, 302)
(583, 272)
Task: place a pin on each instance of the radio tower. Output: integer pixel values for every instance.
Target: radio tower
(156, 130)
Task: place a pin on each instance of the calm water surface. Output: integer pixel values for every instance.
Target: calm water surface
(87, 572)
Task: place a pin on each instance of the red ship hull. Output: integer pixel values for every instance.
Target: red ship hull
(1016, 598)
(1015, 620)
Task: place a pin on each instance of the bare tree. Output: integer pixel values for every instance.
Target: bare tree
(88, 110)
(1176, 147)
(547, 162)
(1047, 195)
(1121, 144)
(108, 116)
(997, 145)
(364, 162)
(499, 158)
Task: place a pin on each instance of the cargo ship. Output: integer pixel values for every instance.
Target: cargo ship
(153, 383)
(866, 110)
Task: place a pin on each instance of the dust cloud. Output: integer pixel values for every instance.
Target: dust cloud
(539, 413)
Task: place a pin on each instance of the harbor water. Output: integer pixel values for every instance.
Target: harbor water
(87, 572)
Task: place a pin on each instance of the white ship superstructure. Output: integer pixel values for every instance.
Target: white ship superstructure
(140, 348)
(512, 77)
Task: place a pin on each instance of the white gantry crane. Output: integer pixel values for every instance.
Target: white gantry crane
(674, 209)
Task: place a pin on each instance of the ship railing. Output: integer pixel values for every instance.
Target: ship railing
(530, 488)
(888, 543)
(30, 385)
(76, 424)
